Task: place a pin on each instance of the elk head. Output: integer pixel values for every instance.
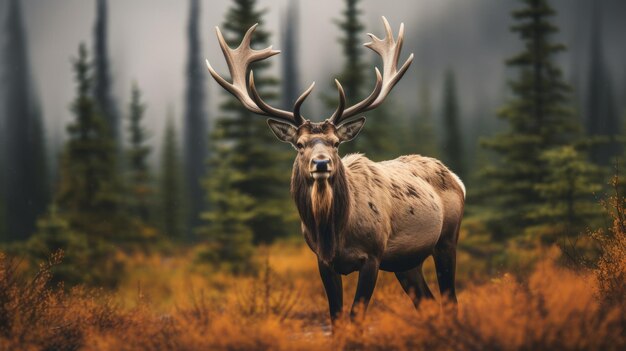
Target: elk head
(316, 142)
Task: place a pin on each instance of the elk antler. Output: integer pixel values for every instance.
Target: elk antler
(238, 61)
(389, 51)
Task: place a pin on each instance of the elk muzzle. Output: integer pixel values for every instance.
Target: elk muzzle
(320, 167)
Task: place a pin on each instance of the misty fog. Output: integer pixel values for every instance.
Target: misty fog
(147, 45)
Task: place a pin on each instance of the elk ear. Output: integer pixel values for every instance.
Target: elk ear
(349, 130)
(283, 131)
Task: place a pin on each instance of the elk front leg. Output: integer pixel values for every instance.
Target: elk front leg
(368, 274)
(334, 289)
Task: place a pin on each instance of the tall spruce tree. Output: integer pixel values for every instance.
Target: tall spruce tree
(171, 185)
(196, 131)
(568, 189)
(353, 76)
(375, 140)
(602, 119)
(103, 85)
(539, 117)
(89, 194)
(426, 134)
(244, 146)
(23, 172)
(140, 182)
(419, 136)
(453, 143)
(228, 231)
(290, 74)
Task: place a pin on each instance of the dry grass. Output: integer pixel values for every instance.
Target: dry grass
(284, 308)
(171, 303)
(611, 266)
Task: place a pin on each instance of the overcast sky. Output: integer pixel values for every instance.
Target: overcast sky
(147, 44)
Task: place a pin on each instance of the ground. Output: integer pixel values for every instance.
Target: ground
(169, 302)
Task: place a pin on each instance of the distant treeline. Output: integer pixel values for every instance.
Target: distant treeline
(534, 173)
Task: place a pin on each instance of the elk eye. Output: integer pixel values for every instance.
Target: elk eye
(300, 146)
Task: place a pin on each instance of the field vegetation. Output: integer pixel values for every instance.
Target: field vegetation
(168, 302)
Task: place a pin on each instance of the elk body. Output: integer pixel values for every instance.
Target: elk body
(356, 214)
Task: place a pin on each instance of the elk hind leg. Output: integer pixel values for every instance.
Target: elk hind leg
(414, 285)
(445, 263)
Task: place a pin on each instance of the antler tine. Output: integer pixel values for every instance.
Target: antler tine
(364, 104)
(336, 117)
(389, 51)
(267, 109)
(239, 61)
(296, 107)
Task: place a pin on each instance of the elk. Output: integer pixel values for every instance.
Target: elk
(356, 214)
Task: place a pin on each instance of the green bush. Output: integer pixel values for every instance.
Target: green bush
(86, 261)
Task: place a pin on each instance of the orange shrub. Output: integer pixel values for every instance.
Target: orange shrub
(555, 309)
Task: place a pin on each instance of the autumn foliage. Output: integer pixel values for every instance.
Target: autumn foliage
(284, 308)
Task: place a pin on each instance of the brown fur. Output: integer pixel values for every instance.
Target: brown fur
(323, 208)
(360, 215)
(366, 198)
(321, 201)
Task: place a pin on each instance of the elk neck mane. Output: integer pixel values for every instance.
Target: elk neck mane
(323, 206)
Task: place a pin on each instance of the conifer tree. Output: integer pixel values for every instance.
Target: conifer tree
(290, 74)
(229, 235)
(103, 85)
(569, 206)
(137, 157)
(353, 76)
(196, 131)
(419, 136)
(376, 139)
(23, 172)
(602, 119)
(3, 220)
(89, 194)
(247, 148)
(423, 138)
(171, 186)
(55, 233)
(539, 118)
(453, 143)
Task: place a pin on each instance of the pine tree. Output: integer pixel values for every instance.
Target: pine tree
(102, 88)
(568, 189)
(137, 158)
(453, 143)
(423, 139)
(24, 170)
(196, 132)
(419, 137)
(602, 119)
(89, 194)
(375, 140)
(539, 118)
(290, 74)
(247, 148)
(353, 76)
(229, 235)
(171, 186)
(54, 233)
(3, 220)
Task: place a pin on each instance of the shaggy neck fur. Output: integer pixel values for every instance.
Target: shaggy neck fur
(323, 206)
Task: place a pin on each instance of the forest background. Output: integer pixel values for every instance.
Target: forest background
(119, 154)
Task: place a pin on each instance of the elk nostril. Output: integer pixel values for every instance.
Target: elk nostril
(321, 165)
